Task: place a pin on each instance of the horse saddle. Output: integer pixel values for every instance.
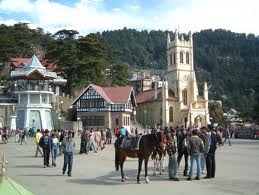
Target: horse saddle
(131, 142)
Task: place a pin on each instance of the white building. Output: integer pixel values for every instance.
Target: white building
(34, 88)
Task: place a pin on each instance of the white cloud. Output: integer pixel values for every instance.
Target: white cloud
(92, 15)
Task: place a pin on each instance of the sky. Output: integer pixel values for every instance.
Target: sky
(88, 16)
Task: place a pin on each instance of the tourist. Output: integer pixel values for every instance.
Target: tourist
(195, 147)
(209, 152)
(22, 135)
(183, 149)
(68, 145)
(83, 143)
(46, 144)
(172, 153)
(37, 140)
(226, 134)
(54, 148)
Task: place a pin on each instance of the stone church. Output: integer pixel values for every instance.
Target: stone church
(178, 102)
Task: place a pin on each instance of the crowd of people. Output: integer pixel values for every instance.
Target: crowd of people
(198, 144)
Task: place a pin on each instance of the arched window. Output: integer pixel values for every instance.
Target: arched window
(181, 57)
(171, 114)
(187, 58)
(171, 59)
(174, 58)
(184, 96)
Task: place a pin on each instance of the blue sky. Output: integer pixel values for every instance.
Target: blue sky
(97, 15)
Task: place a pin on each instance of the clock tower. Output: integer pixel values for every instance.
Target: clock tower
(181, 75)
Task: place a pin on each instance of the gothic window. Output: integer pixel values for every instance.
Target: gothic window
(181, 57)
(187, 58)
(116, 121)
(174, 58)
(171, 114)
(184, 96)
(171, 60)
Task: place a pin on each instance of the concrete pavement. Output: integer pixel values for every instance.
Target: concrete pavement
(237, 172)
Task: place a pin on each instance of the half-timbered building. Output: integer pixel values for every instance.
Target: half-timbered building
(105, 107)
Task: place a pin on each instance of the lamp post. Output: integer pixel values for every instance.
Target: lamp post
(61, 109)
(145, 117)
(78, 119)
(59, 120)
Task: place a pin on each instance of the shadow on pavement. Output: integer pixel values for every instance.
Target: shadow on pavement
(114, 178)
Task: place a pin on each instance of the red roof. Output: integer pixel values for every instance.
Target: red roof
(17, 62)
(149, 95)
(114, 95)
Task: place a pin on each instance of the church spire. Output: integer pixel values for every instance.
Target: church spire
(168, 38)
(176, 35)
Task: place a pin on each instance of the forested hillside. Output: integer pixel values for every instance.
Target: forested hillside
(227, 60)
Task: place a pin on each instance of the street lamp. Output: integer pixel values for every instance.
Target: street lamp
(59, 120)
(145, 115)
(78, 119)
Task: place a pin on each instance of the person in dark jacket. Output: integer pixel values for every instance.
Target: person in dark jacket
(46, 144)
(182, 140)
(209, 152)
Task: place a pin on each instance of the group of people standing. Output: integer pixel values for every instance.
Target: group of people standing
(56, 143)
(95, 140)
(200, 145)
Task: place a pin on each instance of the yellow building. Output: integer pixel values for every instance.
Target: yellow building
(177, 103)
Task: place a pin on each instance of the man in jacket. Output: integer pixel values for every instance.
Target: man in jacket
(182, 149)
(196, 148)
(209, 152)
(68, 145)
(46, 144)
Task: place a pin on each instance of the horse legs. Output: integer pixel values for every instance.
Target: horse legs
(140, 160)
(146, 176)
(154, 173)
(122, 172)
(161, 161)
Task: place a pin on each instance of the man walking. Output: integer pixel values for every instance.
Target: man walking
(68, 145)
(209, 152)
(226, 133)
(37, 140)
(46, 144)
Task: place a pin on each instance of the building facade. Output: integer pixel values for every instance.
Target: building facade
(34, 86)
(105, 107)
(179, 104)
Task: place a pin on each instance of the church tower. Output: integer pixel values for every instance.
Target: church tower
(181, 75)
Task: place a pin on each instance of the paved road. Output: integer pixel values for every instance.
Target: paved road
(237, 173)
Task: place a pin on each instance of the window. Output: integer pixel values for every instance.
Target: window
(171, 60)
(181, 57)
(116, 121)
(171, 114)
(187, 58)
(35, 119)
(174, 58)
(34, 99)
(184, 94)
(93, 120)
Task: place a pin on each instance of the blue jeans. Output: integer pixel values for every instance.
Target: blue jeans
(68, 160)
(227, 138)
(54, 153)
(173, 166)
(197, 158)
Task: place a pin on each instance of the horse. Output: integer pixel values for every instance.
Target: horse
(158, 156)
(147, 144)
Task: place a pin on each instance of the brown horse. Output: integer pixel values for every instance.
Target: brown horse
(147, 144)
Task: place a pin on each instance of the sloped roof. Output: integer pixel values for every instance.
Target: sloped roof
(113, 95)
(149, 95)
(33, 65)
(18, 61)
